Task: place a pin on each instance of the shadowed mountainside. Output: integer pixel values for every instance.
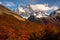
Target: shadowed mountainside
(14, 27)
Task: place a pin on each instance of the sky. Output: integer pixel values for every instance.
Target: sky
(12, 4)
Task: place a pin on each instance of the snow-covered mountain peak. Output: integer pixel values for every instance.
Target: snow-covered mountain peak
(55, 14)
(38, 10)
(20, 9)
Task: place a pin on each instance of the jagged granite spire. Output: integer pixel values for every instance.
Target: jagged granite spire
(19, 9)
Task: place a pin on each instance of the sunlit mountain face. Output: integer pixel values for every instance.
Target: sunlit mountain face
(38, 10)
(29, 20)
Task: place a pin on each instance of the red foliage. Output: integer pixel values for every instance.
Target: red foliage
(13, 29)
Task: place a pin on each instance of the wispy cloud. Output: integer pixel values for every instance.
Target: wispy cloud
(30, 1)
(0, 2)
(10, 4)
(54, 7)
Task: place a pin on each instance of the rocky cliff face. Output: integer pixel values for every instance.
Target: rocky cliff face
(14, 27)
(56, 15)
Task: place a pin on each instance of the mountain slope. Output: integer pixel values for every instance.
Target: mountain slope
(14, 27)
(51, 22)
(56, 15)
(54, 18)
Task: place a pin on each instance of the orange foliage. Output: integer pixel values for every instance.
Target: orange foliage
(13, 29)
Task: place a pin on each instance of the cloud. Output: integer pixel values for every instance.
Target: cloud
(43, 7)
(9, 4)
(54, 7)
(40, 7)
(0, 2)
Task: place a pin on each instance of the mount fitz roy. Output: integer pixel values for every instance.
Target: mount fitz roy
(34, 14)
(30, 10)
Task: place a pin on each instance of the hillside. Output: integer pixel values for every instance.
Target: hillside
(50, 22)
(14, 27)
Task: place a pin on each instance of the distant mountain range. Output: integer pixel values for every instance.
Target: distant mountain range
(53, 17)
(31, 10)
(56, 15)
